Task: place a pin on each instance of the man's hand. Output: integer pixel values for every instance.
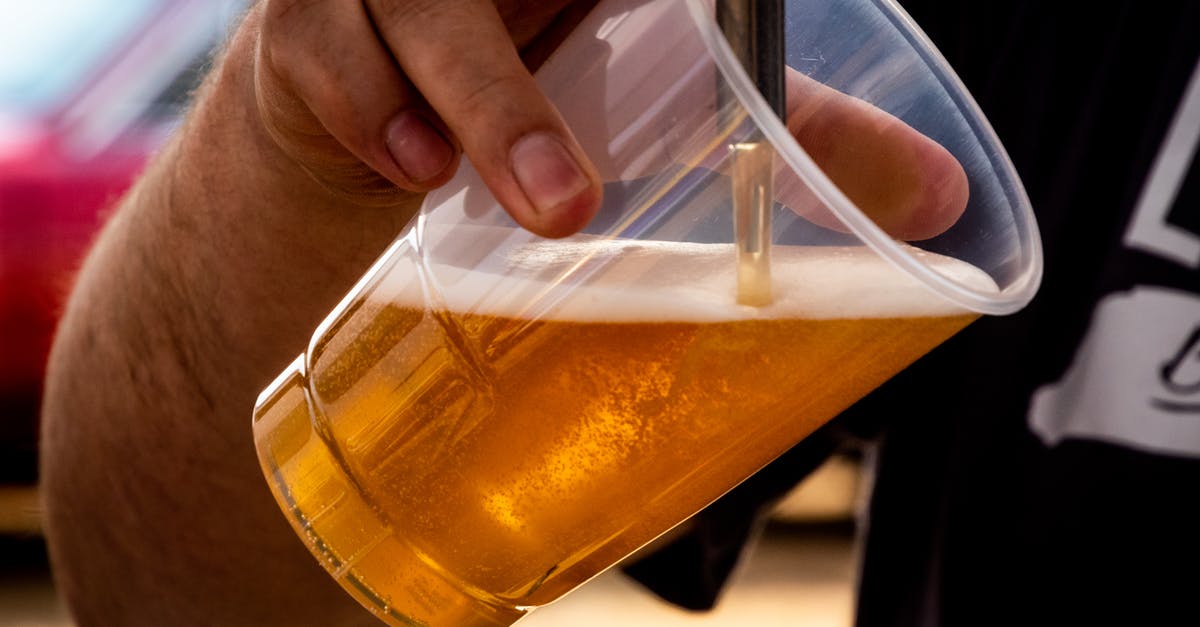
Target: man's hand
(377, 97)
(303, 157)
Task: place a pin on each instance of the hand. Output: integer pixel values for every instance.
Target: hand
(378, 98)
(210, 275)
(907, 183)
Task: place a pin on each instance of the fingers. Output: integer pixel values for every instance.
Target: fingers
(461, 58)
(911, 186)
(381, 99)
(332, 96)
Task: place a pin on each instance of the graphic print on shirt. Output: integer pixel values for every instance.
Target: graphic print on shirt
(1135, 378)
(1151, 229)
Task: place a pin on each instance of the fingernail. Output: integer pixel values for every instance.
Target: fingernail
(418, 148)
(546, 171)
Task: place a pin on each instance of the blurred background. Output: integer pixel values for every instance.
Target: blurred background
(89, 89)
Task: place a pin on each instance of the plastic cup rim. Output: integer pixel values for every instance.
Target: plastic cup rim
(1008, 300)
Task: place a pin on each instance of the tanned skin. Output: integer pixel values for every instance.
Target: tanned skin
(215, 268)
(306, 152)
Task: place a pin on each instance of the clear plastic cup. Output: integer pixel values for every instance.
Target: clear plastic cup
(489, 419)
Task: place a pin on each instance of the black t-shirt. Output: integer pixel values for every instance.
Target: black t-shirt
(1044, 467)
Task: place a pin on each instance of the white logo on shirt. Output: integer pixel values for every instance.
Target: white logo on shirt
(1135, 380)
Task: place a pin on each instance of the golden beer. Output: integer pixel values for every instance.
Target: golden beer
(461, 462)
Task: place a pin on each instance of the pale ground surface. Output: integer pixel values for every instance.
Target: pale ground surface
(800, 574)
(793, 579)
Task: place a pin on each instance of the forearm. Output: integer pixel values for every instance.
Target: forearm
(206, 282)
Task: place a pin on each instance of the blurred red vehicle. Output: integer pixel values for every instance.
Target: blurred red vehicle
(88, 90)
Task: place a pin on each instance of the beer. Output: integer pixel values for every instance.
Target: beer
(460, 461)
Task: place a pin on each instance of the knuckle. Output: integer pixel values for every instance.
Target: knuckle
(283, 18)
(403, 11)
(291, 32)
(284, 11)
(295, 62)
(276, 48)
(491, 93)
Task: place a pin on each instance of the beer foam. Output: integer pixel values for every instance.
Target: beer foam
(594, 279)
